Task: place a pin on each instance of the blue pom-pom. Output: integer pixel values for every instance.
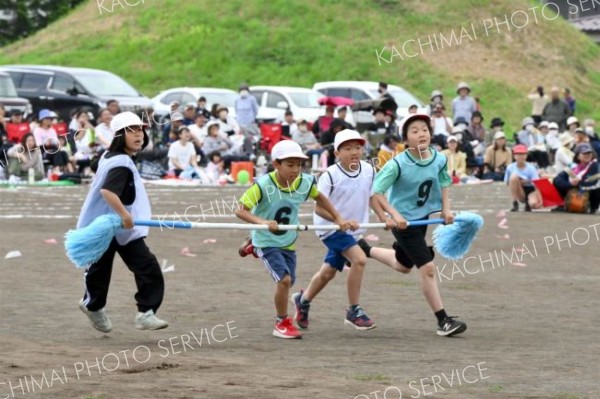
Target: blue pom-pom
(87, 245)
(453, 241)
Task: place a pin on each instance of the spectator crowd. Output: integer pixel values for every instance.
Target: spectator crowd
(202, 142)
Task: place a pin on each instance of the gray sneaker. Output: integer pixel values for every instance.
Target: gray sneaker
(99, 319)
(149, 321)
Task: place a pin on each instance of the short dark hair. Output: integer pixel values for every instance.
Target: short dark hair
(25, 137)
(383, 85)
(111, 101)
(289, 113)
(214, 154)
(202, 98)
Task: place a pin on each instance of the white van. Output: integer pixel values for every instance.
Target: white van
(360, 91)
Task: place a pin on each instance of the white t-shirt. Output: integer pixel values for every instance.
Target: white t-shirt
(349, 192)
(183, 154)
(103, 130)
(199, 132)
(439, 125)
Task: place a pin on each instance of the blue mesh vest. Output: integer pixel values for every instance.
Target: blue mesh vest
(282, 206)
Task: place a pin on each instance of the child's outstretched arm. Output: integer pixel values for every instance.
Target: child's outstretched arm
(328, 212)
(244, 213)
(446, 212)
(115, 203)
(380, 206)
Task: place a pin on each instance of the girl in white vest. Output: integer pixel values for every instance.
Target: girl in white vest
(118, 188)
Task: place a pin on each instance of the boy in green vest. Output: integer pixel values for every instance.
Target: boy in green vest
(273, 200)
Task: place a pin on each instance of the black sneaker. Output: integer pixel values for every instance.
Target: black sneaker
(364, 245)
(515, 207)
(450, 326)
(301, 315)
(527, 207)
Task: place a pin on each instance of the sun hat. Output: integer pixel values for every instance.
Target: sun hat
(565, 138)
(347, 135)
(499, 135)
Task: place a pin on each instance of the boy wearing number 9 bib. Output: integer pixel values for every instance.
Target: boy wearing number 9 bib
(274, 200)
(416, 182)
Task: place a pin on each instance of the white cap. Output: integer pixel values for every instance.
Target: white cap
(553, 126)
(287, 149)
(544, 124)
(123, 120)
(346, 135)
(452, 138)
(499, 135)
(571, 120)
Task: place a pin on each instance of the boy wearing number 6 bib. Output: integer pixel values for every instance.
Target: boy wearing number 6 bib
(416, 182)
(274, 200)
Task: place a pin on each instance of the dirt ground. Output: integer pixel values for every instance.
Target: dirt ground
(532, 321)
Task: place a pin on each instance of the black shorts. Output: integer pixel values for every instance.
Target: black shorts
(411, 247)
(528, 190)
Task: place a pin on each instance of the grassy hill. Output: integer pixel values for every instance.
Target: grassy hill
(166, 43)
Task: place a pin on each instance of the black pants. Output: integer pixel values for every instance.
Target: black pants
(138, 258)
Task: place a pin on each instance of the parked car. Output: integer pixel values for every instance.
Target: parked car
(183, 95)
(273, 101)
(360, 91)
(9, 97)
(62, 89)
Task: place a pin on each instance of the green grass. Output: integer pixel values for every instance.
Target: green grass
(167, 43)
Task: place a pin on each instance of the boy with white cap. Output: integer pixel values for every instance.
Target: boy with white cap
(273, 200)
(349, 185)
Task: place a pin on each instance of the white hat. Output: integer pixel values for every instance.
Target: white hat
(553, 126)
(347, 135)
(544, 124)
(462, 85)
(210, 124)
(176, 116)
(123, 120)
(287, 149)
(571, 120)
(499, 135)
(565, 138)
(452, 138)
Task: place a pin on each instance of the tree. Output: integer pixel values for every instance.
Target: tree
(21, 18)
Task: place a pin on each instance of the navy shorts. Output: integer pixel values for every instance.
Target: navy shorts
(337, 243)
(411, 248)
(278, 262)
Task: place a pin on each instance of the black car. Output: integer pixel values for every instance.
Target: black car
(62, 89)
(9, 98)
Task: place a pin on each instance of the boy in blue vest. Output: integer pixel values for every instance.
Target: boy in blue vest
(273, 200)
(416, 182)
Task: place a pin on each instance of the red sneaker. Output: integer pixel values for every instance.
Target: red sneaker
(247, 248)
(285, 329)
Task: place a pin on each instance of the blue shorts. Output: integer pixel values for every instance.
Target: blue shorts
(337, 243)
(278, 262)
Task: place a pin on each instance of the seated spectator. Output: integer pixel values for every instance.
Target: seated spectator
(201, 108)
(170, 130)
(413, 109)
(16, 127)
(440, 122)
(25, 156)
(227, 124)
(103, 133)
(45, 135)
(531, 138)
(518, 177)
(322, 124)
(85, 143)
(327, 139)
(390, 122)
(5, 145)
(152, 128)
(564, 155)
(390, 147)
(497, 158)
(306, 139)
(215, 170)
(496, 125)
(216, 140)
(572, 124)
(478, 132)
(550, 133)
(342, 112)
(182, 155)
(457, 160)
(189, 114)
(198, 129)
(583, 177)
(288, 126)
(67, 162)
(113, 106)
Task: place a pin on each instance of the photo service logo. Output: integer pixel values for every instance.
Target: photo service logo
(507, 23)
(111, 5)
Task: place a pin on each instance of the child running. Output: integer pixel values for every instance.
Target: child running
(348, 184)
(275, 199)
(118, 188)
(417, 180)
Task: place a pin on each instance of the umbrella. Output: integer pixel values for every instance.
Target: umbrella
(336, 101)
